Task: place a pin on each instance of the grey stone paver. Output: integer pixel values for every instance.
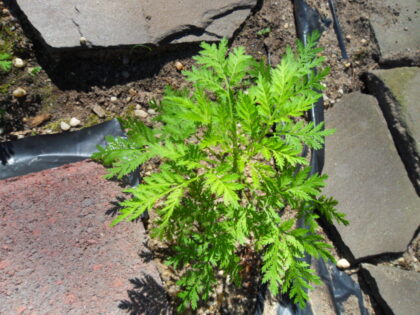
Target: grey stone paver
(397, 34)
(398, 93)
(61, 23)
(367, 177)
(399, 288)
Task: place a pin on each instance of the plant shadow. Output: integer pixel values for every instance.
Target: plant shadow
(147, 297)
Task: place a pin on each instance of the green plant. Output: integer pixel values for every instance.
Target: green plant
(5, 63)
(231, 162)
(35, 70)
(264, 31)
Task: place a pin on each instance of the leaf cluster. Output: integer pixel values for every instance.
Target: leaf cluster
(230, 150)
(5, 62)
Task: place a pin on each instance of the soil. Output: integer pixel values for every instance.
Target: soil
(124, 79)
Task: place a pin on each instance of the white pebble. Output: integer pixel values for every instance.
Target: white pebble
(18, 63)
(138, 106)
(363, 41)
(343, 263)
(83, 40)
(179, 66)
(140, 113)
(340, 91)
(19, 92)
(151, 111)
(64, 126)
(74, 122)
(114, 99)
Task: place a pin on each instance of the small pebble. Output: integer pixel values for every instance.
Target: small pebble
(343, 263)
(340, 91)
(347, 64)
(151, 111)
(128, 99)
(64, 126)
(138, 106)
(132, 92)
(363, 41)
(114, 99)
(348, 37)
(18, 63)
(83, 40)
(179, 66)
(74, 122)
(38, 120)
(286, 25)
(140, 113)
(19, 92)
(99, 111)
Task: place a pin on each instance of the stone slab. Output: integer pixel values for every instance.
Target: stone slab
(61, 23)
(58, 254)
(397, 35)
(368, 179)
(398, 93)
(398, 288)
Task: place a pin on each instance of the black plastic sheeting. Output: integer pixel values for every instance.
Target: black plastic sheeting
(340, 285)
(37, 153)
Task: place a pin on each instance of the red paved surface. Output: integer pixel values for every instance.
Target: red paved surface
(58, 254)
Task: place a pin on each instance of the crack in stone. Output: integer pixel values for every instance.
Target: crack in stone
(194, 30)
(78, 27)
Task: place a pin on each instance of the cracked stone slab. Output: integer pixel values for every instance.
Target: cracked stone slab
(398, 288)
(106, 23)
(58, 253)
(398, 93)
(397, 36)
(368, 178)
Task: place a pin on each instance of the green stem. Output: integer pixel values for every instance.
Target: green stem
(233, 127)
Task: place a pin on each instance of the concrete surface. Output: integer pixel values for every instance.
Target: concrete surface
(61, 23)
(398, 93)
(59, 255)
(368, 179)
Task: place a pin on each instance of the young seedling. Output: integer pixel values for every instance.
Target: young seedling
(230, 150)
(5, 62)
(264, 31)
(35, 70)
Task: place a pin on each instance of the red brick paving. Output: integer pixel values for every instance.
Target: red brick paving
(58, 254)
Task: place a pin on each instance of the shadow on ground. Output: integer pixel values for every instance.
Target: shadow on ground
(147, 297)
